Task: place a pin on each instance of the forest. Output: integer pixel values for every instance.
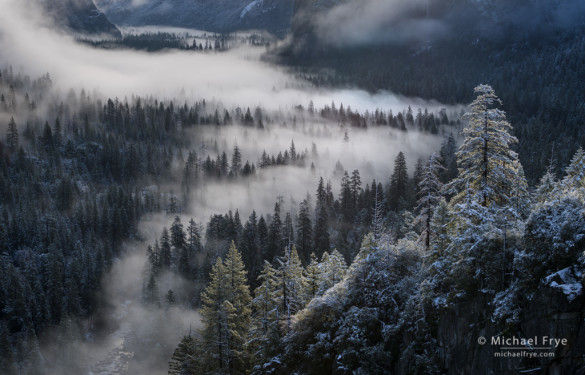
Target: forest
(79, 173)
(356, 277)
(194, 203)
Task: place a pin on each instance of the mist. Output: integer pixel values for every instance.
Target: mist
(372, 152)
(375, 22)
(379, 21)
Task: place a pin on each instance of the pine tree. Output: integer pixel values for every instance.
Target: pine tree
(333, 270)
(449, 159)
(237, 293)
(321, 230)
(185, 357)
(179, 246)
(398, 184)
(575, 173)
(276, 241)
(12, 135)
(346, 198)
(265, 337)
(250, 247)
(165, 249)
(321, 241)
(355, 187)
(429, 196)
(290, 292)
(236, 165)
(304, 229)
(193, 247)
(312, 277)
(215, 315)
(378, 213)
(483, 214)
(486, 163)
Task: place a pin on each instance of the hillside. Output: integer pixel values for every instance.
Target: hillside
(216, 16)
(80, 16)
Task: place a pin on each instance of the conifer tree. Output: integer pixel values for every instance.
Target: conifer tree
(312, 277)
(486, 163)
(321, 230)
(429, 196)
(290, 292)
(215, 315)
(265, 337)
(398, 184)
(575, 173)
(236, 165)
(12, 135)
(237, 293)
(193, 247)
(304, 229)
(165, 249)
(333, 270)
(185, 357)
(276, 241)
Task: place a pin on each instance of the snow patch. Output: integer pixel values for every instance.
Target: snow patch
(566, 280)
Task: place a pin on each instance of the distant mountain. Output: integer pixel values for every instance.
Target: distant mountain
(216, 16)
(80, 16)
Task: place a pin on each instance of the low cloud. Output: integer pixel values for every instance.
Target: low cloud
(378, 21)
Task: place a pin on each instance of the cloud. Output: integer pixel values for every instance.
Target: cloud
(378, 21)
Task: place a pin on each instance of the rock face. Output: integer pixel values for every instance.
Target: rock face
(80, 16)
(216, 16)
(548, 315)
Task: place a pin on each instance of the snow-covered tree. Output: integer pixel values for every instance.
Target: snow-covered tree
(265, 337)
(312, 277)
(226, 314)
(291, 285)
(333, 270)
(185, 357)
(429, 196)
(488, 202)
(575, 173)
(486, 163)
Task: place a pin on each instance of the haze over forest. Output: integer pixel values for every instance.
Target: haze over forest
(311, 187)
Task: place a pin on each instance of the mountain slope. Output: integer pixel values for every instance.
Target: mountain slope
(80, 16)
(216, 16)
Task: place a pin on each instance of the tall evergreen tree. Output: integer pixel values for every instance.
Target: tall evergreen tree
(215, 315)
(185, 357)
(321, 241)
(265, 337)
(236, 165)
(312, 277)
(275, 241)
(12, 135)
(291, 286)
(398, 193)
(304, 229)
(165, 249)
(237, 293)
(486, 163)
(429, 196)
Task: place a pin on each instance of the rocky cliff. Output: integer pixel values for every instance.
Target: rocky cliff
(549, 314)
